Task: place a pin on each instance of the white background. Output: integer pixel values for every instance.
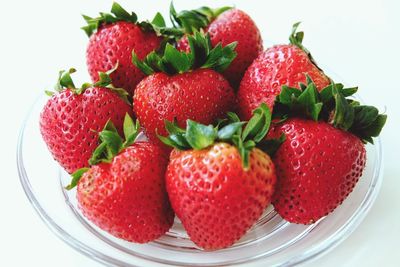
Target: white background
(359, 40)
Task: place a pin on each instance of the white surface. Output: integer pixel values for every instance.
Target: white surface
(359, 40)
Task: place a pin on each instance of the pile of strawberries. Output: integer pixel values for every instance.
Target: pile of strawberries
(230, 127)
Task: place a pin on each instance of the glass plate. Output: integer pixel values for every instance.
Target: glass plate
(272, 241)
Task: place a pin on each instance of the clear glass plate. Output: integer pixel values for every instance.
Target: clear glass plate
(271, 242)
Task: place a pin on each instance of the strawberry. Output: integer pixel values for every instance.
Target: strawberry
(124, 192)
(189, 86)
(218, 181)
(277, 66)
(225, 25)
(323, 156)
(112, 39)
(70, 116)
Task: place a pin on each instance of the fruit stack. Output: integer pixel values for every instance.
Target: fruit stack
(230, 128)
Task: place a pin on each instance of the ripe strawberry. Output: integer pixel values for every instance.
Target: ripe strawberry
(189, 88)
(218, 181)
(318, 167)
(225, 25)
(112, 39)
(322, 159)
(277, 66)
(70, 116)
(124, 191)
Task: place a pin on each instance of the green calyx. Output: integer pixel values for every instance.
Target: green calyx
(201, 55)
(332, 105)
(189, 21)
(118, 13)
(244, 135)
(111, 144)
(65, 81)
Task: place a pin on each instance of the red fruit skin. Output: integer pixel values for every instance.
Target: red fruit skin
(234, 25)
(277, 66)
(202, 95)
(112, 44)
(216, 200)
(127, 198)
(69, 123)
(317, 168)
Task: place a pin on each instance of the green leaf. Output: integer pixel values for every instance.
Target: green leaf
(76, 176)
(98, 153)
(218, 11)
(117, 14)
(104, 80)
(267, 123)
(367, 123)
(176, 138)
(202, 55)
(249, 145)
(173, 15)
(113, 141)
(258, 125)
(172, 127)
(199, 48)
(65, 80)
(295, 37)
(233, 117)
(129, 126)
(158, 20)
(122, 14)
(375, 128)
(131, 130)
(315, 110)
(196, 19)
(171, 142)
(365, 115)
(180, 61)
(200, 136)
(219, 58)
(349, 91)
(288, 95)
(180, 140)
(344, 113)
(227, 132)
(142, 65)
(308, 100)
(326, 93)
(253, 126)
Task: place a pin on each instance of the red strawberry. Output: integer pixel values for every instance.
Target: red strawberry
(183, 93)
(322, 159)
(277, 66)
(221, 184)
(71, 115)
(318, 167)
(225, 26)
(112, 40)
(124, 193)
